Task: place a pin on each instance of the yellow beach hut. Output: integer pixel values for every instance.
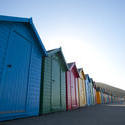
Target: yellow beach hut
(81, 87)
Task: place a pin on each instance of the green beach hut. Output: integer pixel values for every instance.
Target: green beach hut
(53, 83)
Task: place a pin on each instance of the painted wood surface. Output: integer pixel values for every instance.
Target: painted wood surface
(20, 70)
(81, 86)
(72, 95)
(53, 91)
(98, 95)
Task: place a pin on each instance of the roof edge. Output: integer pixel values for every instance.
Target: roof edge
(82, 71)
(37, 35)
(13, 19)
(25, 20)
(53, 51)
(56, 51)
(74, 65)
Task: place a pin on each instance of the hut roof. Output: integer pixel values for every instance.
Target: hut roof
(81, 69)
(71, 65)
(59, 51)
(28, 21)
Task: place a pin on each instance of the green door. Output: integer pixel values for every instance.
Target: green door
(63, 90)
(55, 97)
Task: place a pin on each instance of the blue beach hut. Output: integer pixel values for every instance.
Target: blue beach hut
(21, 52)
(88, 90)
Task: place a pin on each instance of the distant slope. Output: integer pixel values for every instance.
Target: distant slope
(111, 89)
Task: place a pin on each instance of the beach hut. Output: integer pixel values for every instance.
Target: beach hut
(72, 95)
(21, 54)
(94, 92)
(119, 98)
(115, 99)
(109, 98)
(106, 98)
(95, 96)
(102, 96)
(98, 95)
(88, 90)
(91, 91)
(81, 87)
(53, 89)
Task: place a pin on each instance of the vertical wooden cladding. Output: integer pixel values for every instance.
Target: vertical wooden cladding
(89, 90)
(81, 88)
(72, 95)
(53, 89)
(102, 97)
(113, 99)
(20, 68)
(109, 98)
(98, 95)
(68, 91)
(73, 89)
(92, 93)
(95, 97)
(105, 98)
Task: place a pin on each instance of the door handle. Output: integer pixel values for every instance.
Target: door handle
(9, 65)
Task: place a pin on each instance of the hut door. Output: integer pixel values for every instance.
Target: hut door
(13, 87)
(77, 96)
(73, 91)
(81, 92)
(55, 84)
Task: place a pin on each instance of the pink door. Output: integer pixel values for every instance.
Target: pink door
(73, 90)
(77, 95)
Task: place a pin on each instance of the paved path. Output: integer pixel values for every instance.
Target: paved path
(94, 115)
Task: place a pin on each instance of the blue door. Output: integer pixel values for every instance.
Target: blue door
(14, 83)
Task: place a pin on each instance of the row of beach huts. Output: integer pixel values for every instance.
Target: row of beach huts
(34, 81)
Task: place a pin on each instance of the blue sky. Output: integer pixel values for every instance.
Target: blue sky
(91, 32)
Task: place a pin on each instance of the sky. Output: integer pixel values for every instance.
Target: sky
(90, 32)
